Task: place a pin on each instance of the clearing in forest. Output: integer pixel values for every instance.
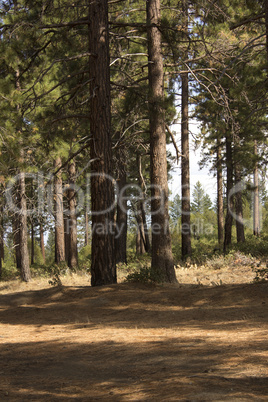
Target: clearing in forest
(204, 339)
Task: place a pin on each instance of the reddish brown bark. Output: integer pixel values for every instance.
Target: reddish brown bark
(103, 268)
(162, 259)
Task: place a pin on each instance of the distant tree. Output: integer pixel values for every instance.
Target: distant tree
(203, 216)
(201, 201)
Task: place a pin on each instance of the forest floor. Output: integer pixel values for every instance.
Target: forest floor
(204, 339)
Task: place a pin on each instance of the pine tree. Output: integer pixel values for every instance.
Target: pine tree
(162, 259)
(103, 269)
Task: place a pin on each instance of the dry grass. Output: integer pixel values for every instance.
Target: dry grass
(194, 341)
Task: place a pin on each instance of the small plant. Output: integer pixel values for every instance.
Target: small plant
(217, 262)
(56, 272)
(55, 281)
(261, 272)
(261, 275)
(142, 275)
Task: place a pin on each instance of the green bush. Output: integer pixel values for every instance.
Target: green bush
(142, 275)
(84, 257)
(56, 271)
(261, 275)
(139, 270)
(255, 246)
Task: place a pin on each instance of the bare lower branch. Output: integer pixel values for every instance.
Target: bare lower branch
(178, 154)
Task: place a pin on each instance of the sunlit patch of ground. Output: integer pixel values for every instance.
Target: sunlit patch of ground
(204, 339)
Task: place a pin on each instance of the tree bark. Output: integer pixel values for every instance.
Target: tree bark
(103, 267)
(59, 221)
(72, 220)
(266, 25)
(162, 260)
(220, 217)
(230, 198)
(186, 247)
(140, 239)
(23, 232)
(256, 200)
(140, 234)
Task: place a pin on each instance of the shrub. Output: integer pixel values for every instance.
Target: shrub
(261, 275)
(84, 257)
(255, 246)
(142, 275)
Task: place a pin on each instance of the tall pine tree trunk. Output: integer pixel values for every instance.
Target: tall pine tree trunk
(220, 217)
(23, 231)
(162, 259)
(266, 25)
(103, 267)
(72, 226)
(59, 221)
(186, 247)
(230, 198)
(256, 200)
(140, 233)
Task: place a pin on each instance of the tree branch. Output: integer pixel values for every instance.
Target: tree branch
(178, 154)
(247, 21)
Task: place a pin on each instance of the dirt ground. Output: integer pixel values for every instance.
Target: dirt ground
(204, 339)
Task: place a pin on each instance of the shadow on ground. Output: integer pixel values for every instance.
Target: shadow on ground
(132, 342)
